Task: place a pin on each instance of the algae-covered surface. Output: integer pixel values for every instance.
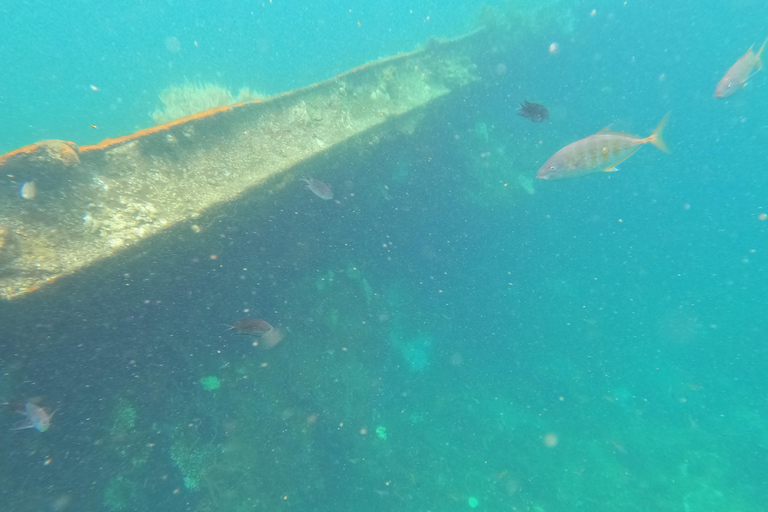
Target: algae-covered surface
(67, 207)
(445, 332)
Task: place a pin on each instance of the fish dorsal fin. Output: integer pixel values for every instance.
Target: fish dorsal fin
(607, 129)
(749, 53)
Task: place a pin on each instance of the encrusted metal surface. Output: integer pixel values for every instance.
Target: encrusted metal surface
(90, 203)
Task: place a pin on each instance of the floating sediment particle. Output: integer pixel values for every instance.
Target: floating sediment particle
(172, 44)
(28, 190)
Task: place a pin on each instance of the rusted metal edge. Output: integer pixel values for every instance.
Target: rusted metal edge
(431, 45)
(112, 195)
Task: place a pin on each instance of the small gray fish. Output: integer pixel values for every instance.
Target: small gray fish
(319, 188)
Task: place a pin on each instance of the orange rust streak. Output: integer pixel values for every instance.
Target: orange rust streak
(646, 140)
(34, 287)
(29, 149)
(107, 143)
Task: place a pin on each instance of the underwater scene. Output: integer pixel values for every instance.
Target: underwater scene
(384, 256)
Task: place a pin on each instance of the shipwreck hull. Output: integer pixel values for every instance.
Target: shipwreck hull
(104, 202)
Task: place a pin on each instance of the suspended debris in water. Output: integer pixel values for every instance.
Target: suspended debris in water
(28, 190)
(533, 111)
(319, 188)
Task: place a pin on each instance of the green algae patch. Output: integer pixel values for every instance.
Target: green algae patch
(381, 433)
(193, 460)
(210, 383)
(118, 494)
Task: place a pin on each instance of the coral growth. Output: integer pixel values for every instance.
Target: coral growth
(123, 418)
(210, 383)
(193, 460)
(517, 19)
(57, 152)
(191, 98)
(118, 494)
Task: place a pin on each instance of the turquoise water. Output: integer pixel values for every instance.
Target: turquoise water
(53, 53)
(476, 337)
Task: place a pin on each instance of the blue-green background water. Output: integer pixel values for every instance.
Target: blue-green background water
(622, 315)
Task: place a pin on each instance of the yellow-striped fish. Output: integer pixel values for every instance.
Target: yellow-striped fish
(736, 77)
(600, 152)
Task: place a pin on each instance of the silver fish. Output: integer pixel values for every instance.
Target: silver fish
(35, 417)
(736, 77)
(602, 151)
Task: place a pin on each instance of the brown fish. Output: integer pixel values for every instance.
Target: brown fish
(602, 151)
(533, 111)
(736, 77)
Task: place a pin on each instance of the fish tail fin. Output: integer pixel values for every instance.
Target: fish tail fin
(655, 137)
(759, 52)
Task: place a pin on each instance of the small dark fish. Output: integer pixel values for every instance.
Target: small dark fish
(319, 188)
(533, 111)
(251, 326)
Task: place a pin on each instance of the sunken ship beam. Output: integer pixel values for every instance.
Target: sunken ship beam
(105, 202)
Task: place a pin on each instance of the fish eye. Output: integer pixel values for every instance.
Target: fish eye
(552, 167)
(730, 84)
